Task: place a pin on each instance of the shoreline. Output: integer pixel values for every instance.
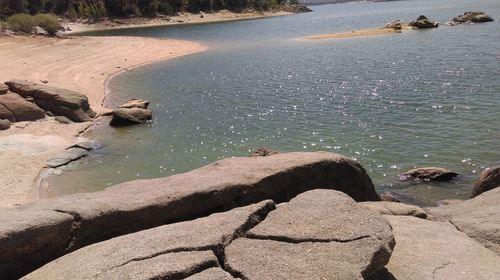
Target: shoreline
(27, 146)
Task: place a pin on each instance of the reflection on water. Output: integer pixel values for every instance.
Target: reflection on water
(393, 102)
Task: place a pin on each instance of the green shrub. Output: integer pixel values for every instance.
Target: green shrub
(48, 22)
(20, 23)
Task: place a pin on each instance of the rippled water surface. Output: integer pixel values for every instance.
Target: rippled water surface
(393, 102)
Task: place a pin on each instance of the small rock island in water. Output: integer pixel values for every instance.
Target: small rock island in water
(272, 214)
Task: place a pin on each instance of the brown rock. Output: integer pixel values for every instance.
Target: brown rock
(429, 174)
(3, 89)
(263, 152)
(27, 236)
(68, 103)
(16, 109)
(395, 208)
(136, 103)
(469, 16)
(437, 250)
(4, 124)
(128, 116)
(488, 180)
(389, 196)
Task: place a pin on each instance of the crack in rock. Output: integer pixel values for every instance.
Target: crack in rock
(303, 240)
(440, 267)
(77, 221)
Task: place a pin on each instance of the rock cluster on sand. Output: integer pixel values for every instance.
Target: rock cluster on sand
(60, 102)
(135, 111)
(423, 22)
(472, 17)
(15, 108)
(428, 174)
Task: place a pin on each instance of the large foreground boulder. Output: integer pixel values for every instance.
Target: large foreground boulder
(222, 185)
(68, 103)
(172, 251)
(437, 250)
(477, 217)
(16, 109)
(320, 234)
(488, 180)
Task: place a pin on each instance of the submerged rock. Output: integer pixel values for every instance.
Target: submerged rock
(429, 174)
(263, 152)
(389, 196)
(16, 109)
(129, 116)
(423, 22)
(66, 157)
(62, 102)
(488, 180)
(472, 16)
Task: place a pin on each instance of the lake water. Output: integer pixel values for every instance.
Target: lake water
(393, 102)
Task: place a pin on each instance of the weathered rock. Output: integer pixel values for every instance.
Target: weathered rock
(214, 273)
(16, 109)
(389, 196)
(263, 152)
(3, 89)
(469, 16)
(136, 103)
(396, 25)
(37, 30)
(222, 185)
(320, 234)
(184, 248)
(481, 18)
(86, 145)
(477, 217)
(436, 250)
(488, 180)
(128, 116)
(63, 120)
(395, 208)
(429, 174)
(27, 236)
(4, 124)
(68, 103)
(423, 22)
(66, 157)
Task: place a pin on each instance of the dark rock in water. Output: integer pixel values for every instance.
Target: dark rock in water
(63, 119)
(472, 16)
(27, 236)
(482, 18)
(3, 89)
(66, 157)
(396, 25)
(477, 217)
(320, 234)
(423, 22)
(389, 197)
(263, 152)
(172, 251)
(488, 180)
(437, 250)
(429, 174)
(16, 109)
(296, 8)
(129, 116)
(68, 103)
(4, 124)
(136, 103)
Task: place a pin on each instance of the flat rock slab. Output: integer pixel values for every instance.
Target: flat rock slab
(158, 248)
(395, 208)
(25, 236)
(478, 217)
(437, 250)
(319, 234)
(66, 157)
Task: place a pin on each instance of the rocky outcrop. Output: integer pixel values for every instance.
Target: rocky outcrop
(437, 250)
(488, 180)
(174, 251)
(423, 22)
(263, 152)
(68, 103)
(395, 208)
(128, 116)
(4, 124)
(477, 217)
(222, 185)
(27, 236)
(472, 16)
(320, 234)
(16, 109)
(428, 174)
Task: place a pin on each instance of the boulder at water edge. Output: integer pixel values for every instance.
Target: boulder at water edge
(136, 103)
(129, 116)
(68, 103)
(428, 174)
(488, 180)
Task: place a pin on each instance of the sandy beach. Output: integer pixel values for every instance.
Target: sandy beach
(80, 63)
